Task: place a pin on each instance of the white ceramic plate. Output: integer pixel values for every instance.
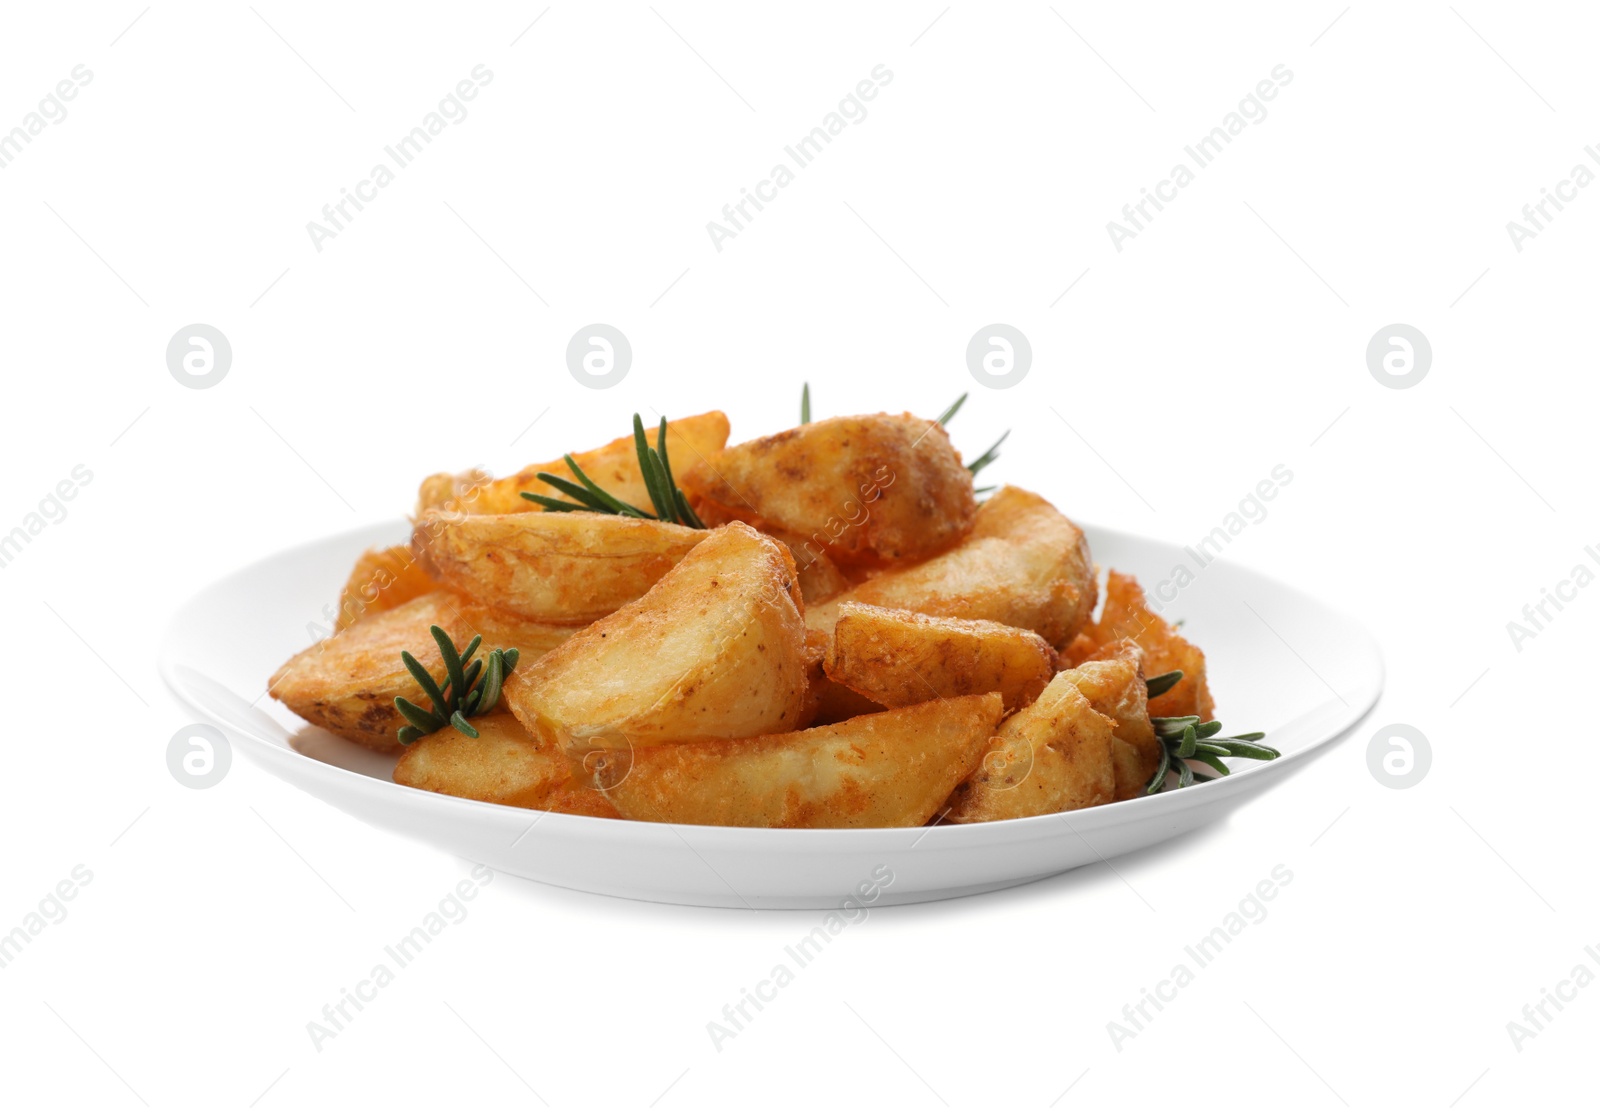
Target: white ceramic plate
(1279, 661)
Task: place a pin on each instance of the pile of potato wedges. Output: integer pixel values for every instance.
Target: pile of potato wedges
(855, 640)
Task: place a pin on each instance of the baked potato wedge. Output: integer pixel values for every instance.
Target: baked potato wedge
(573, 567)
(1025, 564)
(1115, 686)
(614, 466)
(348, 683)
(504, 765)
(899, 657)
(820, 578)
(889, 770)
(382, 579)
(716, 649)
(1126, 615)
(1052, 756)
(863, 491)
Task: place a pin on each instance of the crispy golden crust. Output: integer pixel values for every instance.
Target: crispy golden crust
(862, 490)
(1126, 616)
(503, 765)
(1115, 686)
(1052, 756)
(382, 579)
(552, 568)
(899, 657)
(348, 683)
(615, 467)
(820, 578)
(716, 649)
(889, 770)
(1025, 565)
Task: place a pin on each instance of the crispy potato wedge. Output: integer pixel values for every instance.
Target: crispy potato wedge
(382, 579)
(503, 765)
(1127, 616)
(347, 683)
(864, 490)
(901, 657)
(716, 649)
(614, 466)
(1025, 564)
(552, 568)
(820, 578)
(890, 770)
(1115, 688)
(1052, 756)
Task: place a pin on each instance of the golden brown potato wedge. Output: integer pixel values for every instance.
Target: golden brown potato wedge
(820, 578)
(1115, 688)
(1053, 756)
(553, 568)
(382, 579)
(889, 770)
(1025, 564)
(615, 467)
(864, 490)
(348, 683)
(715, 650)
(503, 765)
(901, 657)
(1127, 616)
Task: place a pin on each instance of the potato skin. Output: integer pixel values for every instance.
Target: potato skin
(716, 649)
(614, 466)
(901, 657)
(347, 683)
(1052, 756)
(1025, 564)
(1127, 616)
(382, 579)
(552, 568)
(863, 491)
(889, 770)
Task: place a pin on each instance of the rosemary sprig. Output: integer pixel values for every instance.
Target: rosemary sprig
(950, 411)
(990, 456)
(805, 404)
(666, 498)
(471, 688)
(1185, 738)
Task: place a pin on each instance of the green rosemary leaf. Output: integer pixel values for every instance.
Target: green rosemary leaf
(1206, 730)
(805, 403)
(1250, 750)
(611, 502)
(650, 468)
(661, 451)
(1160, 778)
(576, 491)
(1250, 736)
(511, 657)
(950, 411)
(1187, 745)
(489, 693)
(1156, 686)
(409, 735)
(984, 490)
(1175, 724)
(1214, 762)
(988, 457)
(429, 686)
(459, 722)
(472, 648)
(470, 705)
(1211, 748)
(452, 663)
(686, 512)
(471, 677)
(1185, 775)
(550, 504)
(423, 721)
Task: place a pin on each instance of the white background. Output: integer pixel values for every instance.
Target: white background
(1228, 337)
